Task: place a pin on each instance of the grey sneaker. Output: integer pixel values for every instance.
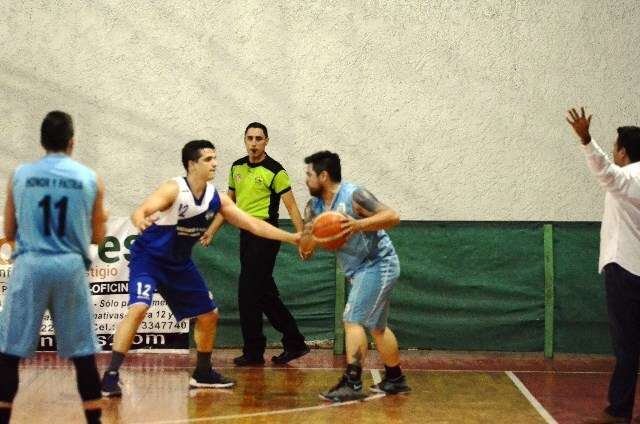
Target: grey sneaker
(344, 391)
(392, 386)
(211, 380)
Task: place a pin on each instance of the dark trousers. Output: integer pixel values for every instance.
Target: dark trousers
(258, 294)
(623, 308)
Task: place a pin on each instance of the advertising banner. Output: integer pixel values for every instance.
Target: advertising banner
(108, 282)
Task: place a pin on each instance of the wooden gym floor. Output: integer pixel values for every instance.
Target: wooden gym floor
(447, 388)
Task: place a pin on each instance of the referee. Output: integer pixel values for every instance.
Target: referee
(257, 183)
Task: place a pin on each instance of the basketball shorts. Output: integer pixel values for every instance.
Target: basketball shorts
(56, 282)
(368, 301)
(183, 288)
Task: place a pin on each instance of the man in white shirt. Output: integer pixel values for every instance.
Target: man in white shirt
(619, 256)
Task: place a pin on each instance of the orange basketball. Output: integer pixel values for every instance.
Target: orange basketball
(326, 228)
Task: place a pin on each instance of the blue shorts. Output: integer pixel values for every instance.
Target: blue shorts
(182, 288)
(55, 282)
(368, 302)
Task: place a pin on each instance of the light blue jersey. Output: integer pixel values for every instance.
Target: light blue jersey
(54, 201)
(369, 261)
(44, 193)
(363, 248)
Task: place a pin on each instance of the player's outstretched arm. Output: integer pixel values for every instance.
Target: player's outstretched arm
(376, 215)
(99, 215)
(240, 219)
(611, 176)
(10, 224)
(159, 200)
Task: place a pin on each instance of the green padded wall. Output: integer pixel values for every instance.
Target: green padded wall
(463, 286)
(580, 308)
(469, 286)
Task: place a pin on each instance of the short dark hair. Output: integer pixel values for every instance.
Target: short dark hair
(326, 161)
(56, 131)
(191, 151)
(629, 138)
(257, 125)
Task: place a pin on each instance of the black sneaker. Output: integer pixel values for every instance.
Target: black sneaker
(344, 391)
(290, 355)
(392, 386)
(244, 360)
(210, 379)
(111, 384)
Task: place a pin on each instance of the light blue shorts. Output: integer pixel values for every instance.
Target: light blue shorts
(54, 282)
(368, 302)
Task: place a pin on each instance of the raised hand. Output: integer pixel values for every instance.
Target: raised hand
(580, 124)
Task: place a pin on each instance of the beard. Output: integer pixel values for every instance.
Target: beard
(315, 192)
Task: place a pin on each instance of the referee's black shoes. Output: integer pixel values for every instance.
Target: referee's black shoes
(290, 355)
(245, 361)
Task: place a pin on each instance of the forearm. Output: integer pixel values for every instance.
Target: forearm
(137, 215)
(216, 224)
(99, 232)
(292, 207)
(10, 226)
(266, 230)
(296, 218)
(379, 221)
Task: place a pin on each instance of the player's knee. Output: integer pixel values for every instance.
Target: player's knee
(138, 311)
(210, 318)
(377, 332)
(353, 326)
(9, 380)
(87, 378)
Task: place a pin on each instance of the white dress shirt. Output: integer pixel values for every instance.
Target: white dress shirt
(620, 231)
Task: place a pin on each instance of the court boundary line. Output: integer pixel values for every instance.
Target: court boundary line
(190, 367)
(532, 400)
(266, 413)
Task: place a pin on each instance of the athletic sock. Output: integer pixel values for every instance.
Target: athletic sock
(5, 414)
(354, 372)
(93, 415)
(116, 361)
(391, 373)
(203, 363)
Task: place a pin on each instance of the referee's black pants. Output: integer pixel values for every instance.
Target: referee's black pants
(623, 308)
(258, 294)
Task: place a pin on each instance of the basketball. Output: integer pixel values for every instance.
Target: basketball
(326, 228)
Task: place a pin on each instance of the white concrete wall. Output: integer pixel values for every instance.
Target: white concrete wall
(450, 110)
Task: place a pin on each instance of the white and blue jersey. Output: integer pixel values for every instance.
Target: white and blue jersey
(161, 255)
(54, 199)
(172, 236)
(369, 261)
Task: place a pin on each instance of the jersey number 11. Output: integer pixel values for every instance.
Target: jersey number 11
(61, 205)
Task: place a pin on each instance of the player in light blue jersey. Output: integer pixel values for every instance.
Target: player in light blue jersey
(369, 261)
(171, 221)
(54, 210)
